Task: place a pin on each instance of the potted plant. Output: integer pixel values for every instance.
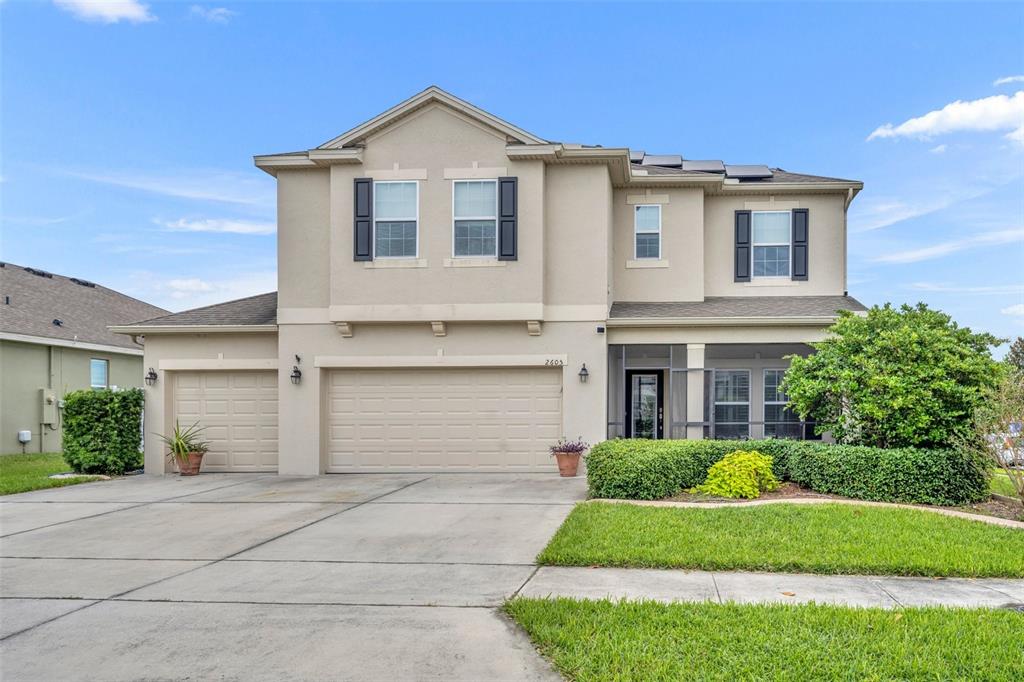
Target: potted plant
(567, 453)
(186, 448)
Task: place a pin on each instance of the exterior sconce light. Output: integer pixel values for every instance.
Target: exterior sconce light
(584, 374)
(151, 377)
(296, 375)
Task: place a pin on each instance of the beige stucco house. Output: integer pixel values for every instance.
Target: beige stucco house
(54, 339)
(456, 293)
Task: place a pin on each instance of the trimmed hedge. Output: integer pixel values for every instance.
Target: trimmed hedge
(653, 469)
(102, 430)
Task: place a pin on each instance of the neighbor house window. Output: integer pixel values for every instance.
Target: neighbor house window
(647, 231)
(475, 214)
(732, 404)
(771, 243)
(98, 373)
(779, 420)
(395, 215)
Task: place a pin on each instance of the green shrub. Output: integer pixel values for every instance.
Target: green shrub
(743, 473)
(102, 430)
(654, 469)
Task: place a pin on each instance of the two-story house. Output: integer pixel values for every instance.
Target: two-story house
(456, 293)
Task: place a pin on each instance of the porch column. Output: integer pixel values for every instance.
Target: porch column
(694, 390)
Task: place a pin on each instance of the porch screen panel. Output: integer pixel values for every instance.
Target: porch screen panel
(732, 404)
(616, 393)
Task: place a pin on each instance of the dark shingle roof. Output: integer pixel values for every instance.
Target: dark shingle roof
(254, 310)
(778, 175)
(740, 306)
(84, 309)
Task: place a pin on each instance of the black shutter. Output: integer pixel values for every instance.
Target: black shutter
(508, 228)
(363, 224)
(800, 243)
(742, 246)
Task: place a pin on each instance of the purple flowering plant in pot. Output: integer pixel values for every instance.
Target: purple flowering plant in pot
(568, 453)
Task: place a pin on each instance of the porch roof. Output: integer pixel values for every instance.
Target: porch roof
(733, 307)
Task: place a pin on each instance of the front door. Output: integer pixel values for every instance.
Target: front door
(644, 417)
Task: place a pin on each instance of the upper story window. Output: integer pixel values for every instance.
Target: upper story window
(647, 231)
(475, 217)
(771, 241)
(98, 373)
(395, 216)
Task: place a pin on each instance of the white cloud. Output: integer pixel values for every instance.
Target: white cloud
(1015, 310)
(959, 289)
(998, 112)
(218, 225)
(938, 149)
(182, 293)
(107, 11)
(201, 185)
(217, 15)
(876, 213)
(1008, 79)
(945, 248)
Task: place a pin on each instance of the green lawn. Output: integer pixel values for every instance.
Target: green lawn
(1001, 484)
(827, 538)
(602, 640)
(21, 473)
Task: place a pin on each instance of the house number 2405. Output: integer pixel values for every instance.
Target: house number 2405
(554, 362)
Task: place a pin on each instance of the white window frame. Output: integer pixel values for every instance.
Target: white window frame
(637, 231)
(765, 402)
(716, 402)
(494, 217)
(754, 244)
(106, 373)
(415, 219)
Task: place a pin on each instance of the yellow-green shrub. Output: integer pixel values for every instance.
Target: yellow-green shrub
(744, 473)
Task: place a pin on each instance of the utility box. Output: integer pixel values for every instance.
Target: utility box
(48, 405)
(24, 437)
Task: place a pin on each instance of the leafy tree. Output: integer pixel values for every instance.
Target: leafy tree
(1015, 356)
(896, 377)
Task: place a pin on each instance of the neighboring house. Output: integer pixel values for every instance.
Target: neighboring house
(54, 339)
(456, 293)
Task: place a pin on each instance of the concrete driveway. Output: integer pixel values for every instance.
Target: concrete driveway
(238, 576)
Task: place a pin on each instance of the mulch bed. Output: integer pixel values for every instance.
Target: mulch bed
(992, 507)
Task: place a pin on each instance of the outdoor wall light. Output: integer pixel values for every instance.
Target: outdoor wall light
(151, 377)
(296, 375)
(584, 374)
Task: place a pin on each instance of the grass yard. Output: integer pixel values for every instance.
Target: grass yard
(603, 640)
(1001, 484)
(21, 473)
(827, 538)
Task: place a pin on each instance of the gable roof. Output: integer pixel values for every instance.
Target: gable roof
(431, 95)
(252, 311)
(38, 300)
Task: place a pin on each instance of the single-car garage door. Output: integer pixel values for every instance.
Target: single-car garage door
(239, 411)
(479, 419)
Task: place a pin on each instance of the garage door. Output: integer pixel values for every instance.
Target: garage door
(239, 411)
(479, 419)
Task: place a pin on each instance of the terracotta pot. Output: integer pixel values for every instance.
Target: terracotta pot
(190, 467)
(568, 463)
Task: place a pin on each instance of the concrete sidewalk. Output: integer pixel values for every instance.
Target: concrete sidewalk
(749, 588)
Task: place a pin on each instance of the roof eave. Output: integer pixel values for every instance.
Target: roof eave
(137, 330)
(787, 321)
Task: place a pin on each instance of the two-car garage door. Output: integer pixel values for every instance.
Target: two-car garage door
(452, 419)
(239, 412)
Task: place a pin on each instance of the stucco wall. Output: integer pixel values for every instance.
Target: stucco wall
(826, 245)
(230, 349)
(25, 368)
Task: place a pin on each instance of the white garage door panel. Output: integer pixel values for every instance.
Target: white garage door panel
(239, 411)
(486, 419)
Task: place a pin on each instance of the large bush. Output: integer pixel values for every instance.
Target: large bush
(102, 430)
(906, 377)
(653, 469)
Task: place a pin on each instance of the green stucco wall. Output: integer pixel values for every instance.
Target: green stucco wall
(25, 368)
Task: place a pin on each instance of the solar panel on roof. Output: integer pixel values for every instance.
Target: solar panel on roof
(710, 166)
(747, 172)
(663, 160)
(636, 156)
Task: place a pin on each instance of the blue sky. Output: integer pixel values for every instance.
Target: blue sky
(128, 128)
